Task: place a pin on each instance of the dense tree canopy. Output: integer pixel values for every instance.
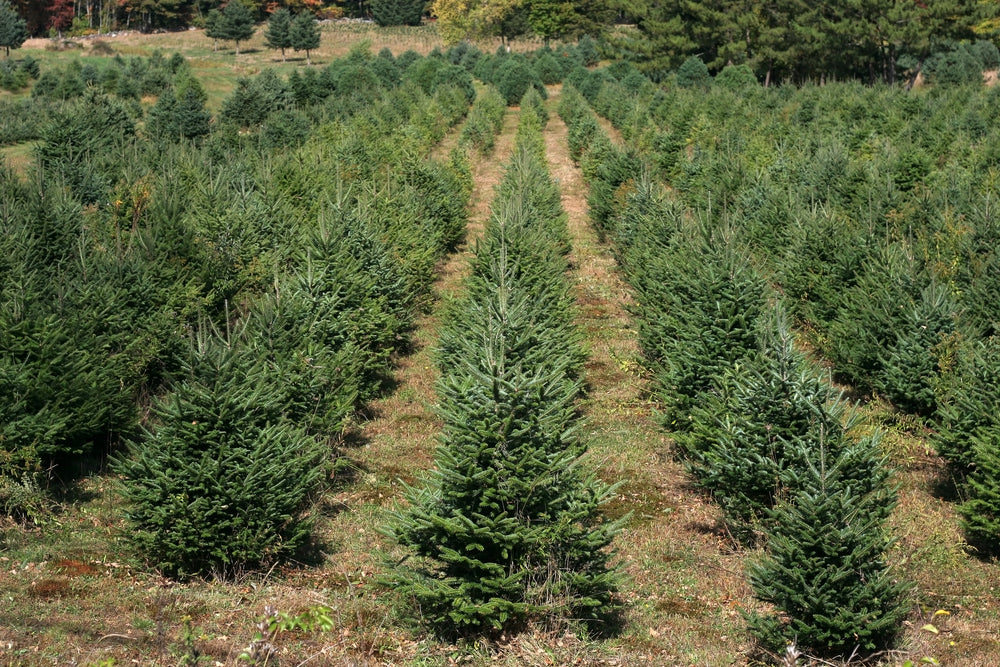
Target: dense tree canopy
(791, 39)
(461, 19)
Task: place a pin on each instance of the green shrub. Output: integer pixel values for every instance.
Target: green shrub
(548, 70)
(220, 485)
(737, 78)
(586, 49)
(961, 65)
(484, 121)
(693, 73)
(513, 77)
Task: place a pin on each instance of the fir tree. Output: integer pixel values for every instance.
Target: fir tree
(700, 299)
(214, 28)
(13, 28)
(824, 569)
(277, 35)
(304, 34)
(741, 441)
(507, 527)
(221, 481)
(970, 404)
(192, 117)
(237, 23)
(981, 511)
(910, 366)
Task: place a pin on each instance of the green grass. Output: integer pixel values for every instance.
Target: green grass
(19, 156)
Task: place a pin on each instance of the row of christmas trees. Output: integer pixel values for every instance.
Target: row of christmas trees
(871, 210)
(235, 300)
(757, 425)
(506, 529)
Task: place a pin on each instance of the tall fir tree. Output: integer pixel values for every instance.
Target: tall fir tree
(13, 28)
(214, 28)
(398, 12)
(277, 34)
(304, 34)
(237, 23)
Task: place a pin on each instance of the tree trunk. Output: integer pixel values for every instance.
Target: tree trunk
(308, 62)
(237, 47)
(913, 77)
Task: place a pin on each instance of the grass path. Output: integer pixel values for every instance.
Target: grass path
(683, 588)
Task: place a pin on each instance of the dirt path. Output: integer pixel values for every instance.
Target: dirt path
(682, 587)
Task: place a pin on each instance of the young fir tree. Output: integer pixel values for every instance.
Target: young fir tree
(981, 511)
(909, 374)
(507, 526)
(970, 404)
(221, 481)
(304, 34)
(193, 119)
(824, 569)
(742, 437)
(699, 300)
(277, 35)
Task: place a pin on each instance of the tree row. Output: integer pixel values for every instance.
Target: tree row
(757, 425)
(506, 530)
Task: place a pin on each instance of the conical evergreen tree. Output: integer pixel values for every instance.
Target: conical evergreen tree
(507, 527)
(303, 35)
(192, 117)
(221, 481)
(699, 300)
(398, 12)
(277, 35)
(825, 570)
(910, 366)
(981, 512)
(743, 434)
